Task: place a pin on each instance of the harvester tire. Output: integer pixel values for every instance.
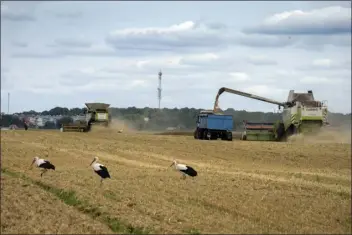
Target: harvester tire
(281, 132)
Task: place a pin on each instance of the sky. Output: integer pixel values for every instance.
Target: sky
(69, 53)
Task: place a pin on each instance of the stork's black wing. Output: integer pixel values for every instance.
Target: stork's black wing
(47, 165)
(105, 171)
(190, 171)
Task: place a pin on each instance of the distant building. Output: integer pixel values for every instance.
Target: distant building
(40, 122)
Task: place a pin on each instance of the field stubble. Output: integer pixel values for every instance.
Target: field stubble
(242, 187)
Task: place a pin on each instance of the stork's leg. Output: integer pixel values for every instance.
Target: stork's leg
(41, 175)
(101, 181)
(184, 176)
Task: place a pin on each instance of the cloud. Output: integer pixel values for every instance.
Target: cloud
(83, 76)
(329, 3)
(239, 77)
(308, 30)
(69, 48)
(71, 42)
(261, 60)
(5, 78)
(20, 44)
(319, 80)
(184, 37)
(268, 41)
(325, 21)
(322, 63)
(199, 59)
(326, 64)
(15, 15)
(265, 90)
(104, 57)
(68, 15)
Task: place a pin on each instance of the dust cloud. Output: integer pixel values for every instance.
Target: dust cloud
(341, 135)
(116, 125)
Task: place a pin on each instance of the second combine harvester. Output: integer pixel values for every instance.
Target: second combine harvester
(97, 113)
(301, 114)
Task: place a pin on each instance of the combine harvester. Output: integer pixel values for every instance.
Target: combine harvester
(301, 114)
(97, 113)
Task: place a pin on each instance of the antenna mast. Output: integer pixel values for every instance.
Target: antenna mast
(159, 88)
(8, 103)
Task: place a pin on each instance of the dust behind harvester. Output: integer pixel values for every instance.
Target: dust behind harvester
(97, 114)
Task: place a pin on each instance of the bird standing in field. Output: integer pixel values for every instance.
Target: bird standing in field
(100, 169)
(184, 169)
(44, 164)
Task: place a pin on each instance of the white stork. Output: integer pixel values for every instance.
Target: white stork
(100, 169)
(44, 164)
(184, 169)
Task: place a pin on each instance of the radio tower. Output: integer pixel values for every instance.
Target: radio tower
(8, 103)
(159, 88)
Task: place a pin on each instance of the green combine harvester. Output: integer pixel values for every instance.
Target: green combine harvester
(301, 114)
(97, 114)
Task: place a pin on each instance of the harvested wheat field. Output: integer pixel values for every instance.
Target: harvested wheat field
(241, 187)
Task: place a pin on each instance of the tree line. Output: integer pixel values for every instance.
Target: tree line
(155, 119)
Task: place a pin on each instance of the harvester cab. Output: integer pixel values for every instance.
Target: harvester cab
(98, 113)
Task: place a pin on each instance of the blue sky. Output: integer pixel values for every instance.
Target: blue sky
(69, 53)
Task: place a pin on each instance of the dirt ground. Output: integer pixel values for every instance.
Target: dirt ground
(242, 186)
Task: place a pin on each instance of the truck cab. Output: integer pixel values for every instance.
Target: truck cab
(211, 126)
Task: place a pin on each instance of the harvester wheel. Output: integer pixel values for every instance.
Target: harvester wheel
(281, 132)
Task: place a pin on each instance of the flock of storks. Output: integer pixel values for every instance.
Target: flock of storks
(103, 172)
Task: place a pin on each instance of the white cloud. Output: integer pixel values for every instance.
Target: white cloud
(319, 80)
(83, 61)
(322, 62)
(264, 90)
(308, 30)
(261, 60)
(199, 59)
(186, 36)
(71, 42)
(15, 14)
(329, 20)
(239, 77)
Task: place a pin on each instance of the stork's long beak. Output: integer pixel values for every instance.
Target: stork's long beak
(92, 162)
(31, 164)
(172, 164)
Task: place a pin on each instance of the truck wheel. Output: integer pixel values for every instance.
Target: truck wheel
(199, 134)
(195, 134)
(209, 135)
(205, 133)
(229, 136)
